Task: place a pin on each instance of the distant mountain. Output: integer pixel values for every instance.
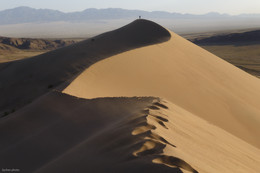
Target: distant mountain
(31, 15)
(26, 14)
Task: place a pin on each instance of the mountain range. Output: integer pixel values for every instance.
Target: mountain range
(30, 15)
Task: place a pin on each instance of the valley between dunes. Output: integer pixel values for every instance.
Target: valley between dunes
(137, 99)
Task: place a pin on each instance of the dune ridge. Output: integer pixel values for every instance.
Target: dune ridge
(154, 143)
(149, 135)
(95, 122)
(57, 68)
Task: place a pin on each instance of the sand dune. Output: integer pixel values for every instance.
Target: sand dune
(186, 75)
(148, 101)
(148, 135)
(21, 82)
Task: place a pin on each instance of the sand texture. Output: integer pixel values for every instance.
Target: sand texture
(22, 81)
(184, 74)
(137, 99)
(118, 135)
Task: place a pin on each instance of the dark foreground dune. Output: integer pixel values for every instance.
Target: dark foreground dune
(113, 135)
(77, 135)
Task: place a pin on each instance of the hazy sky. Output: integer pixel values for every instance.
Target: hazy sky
(182, 6)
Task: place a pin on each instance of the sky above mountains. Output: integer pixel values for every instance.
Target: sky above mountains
(181, 6)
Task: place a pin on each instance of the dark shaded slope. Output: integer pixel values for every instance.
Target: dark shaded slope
(23, 81)
(61, 133)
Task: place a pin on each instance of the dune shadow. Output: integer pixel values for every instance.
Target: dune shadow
(174, 161)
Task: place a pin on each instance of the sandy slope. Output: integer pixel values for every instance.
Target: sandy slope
(61, 133)
(205, 147)
(21, 82)
(114, 135)
(186, 75)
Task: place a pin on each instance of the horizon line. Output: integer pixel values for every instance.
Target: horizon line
(212, 12)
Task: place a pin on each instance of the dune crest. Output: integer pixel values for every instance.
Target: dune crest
(148, 134)
(57, 68)
(154, 143)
